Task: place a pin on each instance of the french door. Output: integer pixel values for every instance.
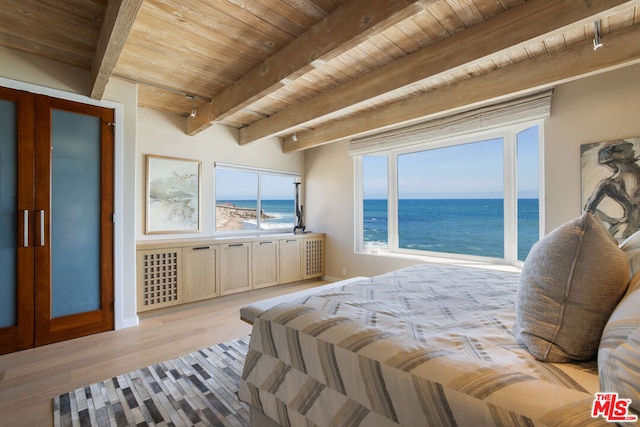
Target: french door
(56, 227)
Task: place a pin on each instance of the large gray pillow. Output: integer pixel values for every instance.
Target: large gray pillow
(570, 283)
(619, 352)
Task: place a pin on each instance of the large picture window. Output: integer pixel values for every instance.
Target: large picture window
(250, 199)
(472, 197)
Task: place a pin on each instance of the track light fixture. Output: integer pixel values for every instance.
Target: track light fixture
(193, 110)
(597, 43)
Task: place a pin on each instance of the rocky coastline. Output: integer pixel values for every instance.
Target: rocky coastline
(231, 217)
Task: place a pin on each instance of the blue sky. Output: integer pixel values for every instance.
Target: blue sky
(240, 185)
(463, 171)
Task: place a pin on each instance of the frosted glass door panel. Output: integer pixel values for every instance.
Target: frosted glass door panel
(75, 213)
(8, 213)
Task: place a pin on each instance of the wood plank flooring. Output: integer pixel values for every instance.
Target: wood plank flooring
(31, 378)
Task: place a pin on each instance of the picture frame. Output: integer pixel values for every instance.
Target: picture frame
(172, 195)
(610, 179)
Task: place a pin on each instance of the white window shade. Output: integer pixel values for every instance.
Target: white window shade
(506, 113)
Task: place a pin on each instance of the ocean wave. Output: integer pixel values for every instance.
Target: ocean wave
(376, 245)
(269, 225)
(276, 225)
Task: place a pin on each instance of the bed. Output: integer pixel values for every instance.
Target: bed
(428, 345)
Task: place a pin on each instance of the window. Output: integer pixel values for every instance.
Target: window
(471, 197)
(528, 190)
(242, 192)
(375, 202)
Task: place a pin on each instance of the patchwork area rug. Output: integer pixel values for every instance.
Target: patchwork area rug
(197, 389)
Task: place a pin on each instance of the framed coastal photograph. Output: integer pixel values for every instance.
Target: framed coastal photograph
(610, 175)
(172, 195)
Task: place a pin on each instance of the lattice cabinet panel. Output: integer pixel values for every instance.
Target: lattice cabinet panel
(159, 278)
(313, 257)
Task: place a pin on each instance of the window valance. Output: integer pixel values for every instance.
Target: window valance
(511, 112)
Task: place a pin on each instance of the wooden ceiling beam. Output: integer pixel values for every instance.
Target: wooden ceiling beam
(621, 49)
(337, 33)
(118, 20)
(530, 22)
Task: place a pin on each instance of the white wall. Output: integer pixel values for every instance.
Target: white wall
(125, 302)
(593, 109)
(31, 69)
(163, 134)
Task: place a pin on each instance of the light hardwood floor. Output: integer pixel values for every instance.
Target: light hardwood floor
(30, 379)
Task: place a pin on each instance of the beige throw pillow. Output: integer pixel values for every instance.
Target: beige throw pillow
(570, 283)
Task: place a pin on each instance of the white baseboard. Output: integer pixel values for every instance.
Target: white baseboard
(127, 323)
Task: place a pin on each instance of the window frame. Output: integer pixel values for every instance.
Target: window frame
(259, 171)
(510, 160)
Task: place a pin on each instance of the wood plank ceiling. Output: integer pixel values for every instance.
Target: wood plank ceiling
(324, 70)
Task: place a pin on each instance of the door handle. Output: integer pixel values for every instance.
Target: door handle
(25, 228)
(41, 211)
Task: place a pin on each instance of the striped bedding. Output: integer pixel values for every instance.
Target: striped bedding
(429, 345)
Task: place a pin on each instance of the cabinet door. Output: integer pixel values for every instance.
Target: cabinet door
(235, 268)
(199, 267)
(290, 260)
(159, 278)
(265, 264)
(313, 257)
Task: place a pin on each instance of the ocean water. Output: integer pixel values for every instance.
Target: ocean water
(463, 226)
(282, 212)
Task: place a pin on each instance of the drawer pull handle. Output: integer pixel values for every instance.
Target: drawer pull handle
(266, 243)
(200, 248)
(232, 245)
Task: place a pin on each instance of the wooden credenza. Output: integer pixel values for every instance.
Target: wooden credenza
(171, 272)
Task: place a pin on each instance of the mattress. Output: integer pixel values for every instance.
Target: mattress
(429, 345)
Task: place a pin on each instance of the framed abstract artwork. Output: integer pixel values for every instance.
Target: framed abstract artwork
(172, 195)
(610, 175)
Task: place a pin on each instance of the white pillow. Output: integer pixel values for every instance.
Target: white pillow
(571, 281)
(619, 352)
(631, 248)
